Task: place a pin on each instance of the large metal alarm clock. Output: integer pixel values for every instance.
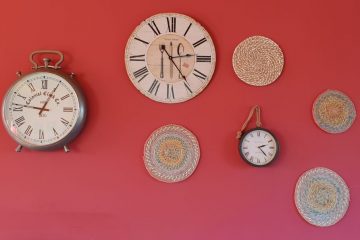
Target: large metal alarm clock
(44, 109)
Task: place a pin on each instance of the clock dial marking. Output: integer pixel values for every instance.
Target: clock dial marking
(171, 23)
(154, 28)
(198, 43)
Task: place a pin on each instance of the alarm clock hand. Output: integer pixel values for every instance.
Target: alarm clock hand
(48, 99)
(171, 59)
(38, 108)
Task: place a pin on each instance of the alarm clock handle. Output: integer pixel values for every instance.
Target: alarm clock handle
(256, 109)
(46, 60)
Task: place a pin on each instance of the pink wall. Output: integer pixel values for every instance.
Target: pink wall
(101, 189)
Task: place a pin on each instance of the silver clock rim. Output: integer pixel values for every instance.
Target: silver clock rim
(79, 122)
(254, 129)
(206, 34)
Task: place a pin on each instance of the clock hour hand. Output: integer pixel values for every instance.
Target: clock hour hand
(27, 106)
(171, 59)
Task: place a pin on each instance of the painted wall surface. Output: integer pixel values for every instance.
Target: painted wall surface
(101, 189)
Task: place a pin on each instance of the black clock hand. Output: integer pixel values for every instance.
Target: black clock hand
(171, 59)
(27, 106)
(186, 55)
(262, 150)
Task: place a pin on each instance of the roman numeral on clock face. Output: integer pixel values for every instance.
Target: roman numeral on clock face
(68, 109)
(188, 87)
(137, 58)
(64, 121)
(198, 43)
(154, 87)
(140, 40)
(141, 73)
(187, 30)
(154, 28)
(170, 91)
(199, 74)
(17, 108)
(200, 58)
(41, 134)
(31, 86)
(171, 23)
(20, 121)
(28, 130)
(44, 84)
(65, 97)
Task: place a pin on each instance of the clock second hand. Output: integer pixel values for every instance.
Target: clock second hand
(170, 58)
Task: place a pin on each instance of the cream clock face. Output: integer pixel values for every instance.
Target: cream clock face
(40, 109)
(170, 58)
(258, 147)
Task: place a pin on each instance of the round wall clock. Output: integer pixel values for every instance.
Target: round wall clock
(44, 109)
(170, 58)
(257, 146)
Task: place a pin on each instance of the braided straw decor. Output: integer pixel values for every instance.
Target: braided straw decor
(334, 112)
(258, 61)
(171, 154)
(321, 197)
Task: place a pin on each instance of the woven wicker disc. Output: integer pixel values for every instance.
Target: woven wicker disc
(321, 197)
(171, 153)
(334, 112)
(258, 61)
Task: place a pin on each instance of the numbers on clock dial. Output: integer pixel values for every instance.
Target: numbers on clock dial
(170, 58)
(42, 108)
(259, 147)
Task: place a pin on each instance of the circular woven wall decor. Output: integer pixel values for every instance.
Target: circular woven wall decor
(171, 153)
(321, 197)
(333, 111)
(258, 61)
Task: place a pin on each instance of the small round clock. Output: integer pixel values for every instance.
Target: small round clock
(258, 147)
(44, 109)
(170, 58)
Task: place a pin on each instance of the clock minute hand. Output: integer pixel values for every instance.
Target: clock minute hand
(171, 59)
(27, 106)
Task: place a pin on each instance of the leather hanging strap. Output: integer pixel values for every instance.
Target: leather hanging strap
(255, 109)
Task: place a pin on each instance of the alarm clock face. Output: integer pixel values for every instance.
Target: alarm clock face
(170, 58)
(258, 147)
(42, 110)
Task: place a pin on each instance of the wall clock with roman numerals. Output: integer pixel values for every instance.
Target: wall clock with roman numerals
(44, 109)
(170, 58)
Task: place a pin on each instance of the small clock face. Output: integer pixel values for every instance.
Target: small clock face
(258, 147)
(170, 58)
(41, 109)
